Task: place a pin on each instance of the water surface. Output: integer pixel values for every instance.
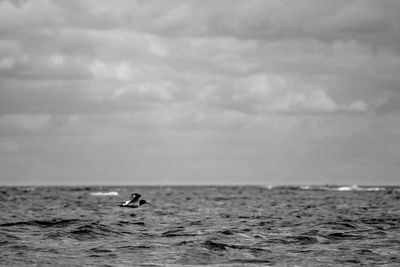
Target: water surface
(221, 226)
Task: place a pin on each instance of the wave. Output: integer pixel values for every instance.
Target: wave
(132, 248)
(81, 230)
(90, 231)
(43, 223)
(332, 188)
(357, 188)
(85, 232)
(113, 193)
(7, 238)
(178, 232)
(344, 236)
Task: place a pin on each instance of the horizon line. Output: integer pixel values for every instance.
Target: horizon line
(185, 185)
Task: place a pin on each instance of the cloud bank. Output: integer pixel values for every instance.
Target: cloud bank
(190, 92)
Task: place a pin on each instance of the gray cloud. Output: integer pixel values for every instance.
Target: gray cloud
(239, 83)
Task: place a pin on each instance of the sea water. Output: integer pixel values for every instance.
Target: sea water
(217, 226)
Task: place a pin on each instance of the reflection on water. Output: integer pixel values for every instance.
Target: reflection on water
(200, 225)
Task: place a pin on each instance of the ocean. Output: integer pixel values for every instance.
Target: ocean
(200, 225)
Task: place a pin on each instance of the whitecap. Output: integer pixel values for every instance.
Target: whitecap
(374, 189)
(357, 188)
(348, 188)
(306, 187)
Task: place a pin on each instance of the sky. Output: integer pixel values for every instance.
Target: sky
(199, 92)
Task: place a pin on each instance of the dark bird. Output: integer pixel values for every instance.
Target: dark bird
(135, 201)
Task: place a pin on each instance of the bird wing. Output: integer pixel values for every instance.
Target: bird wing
(134, 199)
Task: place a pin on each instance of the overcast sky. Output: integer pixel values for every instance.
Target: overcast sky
(204, 92)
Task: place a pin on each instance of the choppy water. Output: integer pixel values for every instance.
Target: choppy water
(228, 226)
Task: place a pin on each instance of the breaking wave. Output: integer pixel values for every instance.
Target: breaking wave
(332, 188)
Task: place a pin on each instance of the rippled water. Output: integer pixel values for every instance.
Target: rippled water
(286, 226)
